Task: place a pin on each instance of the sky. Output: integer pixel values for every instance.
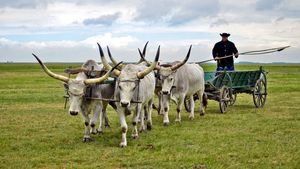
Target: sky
(68, 30)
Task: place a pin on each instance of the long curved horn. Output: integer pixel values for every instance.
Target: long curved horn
(55, 76)
(105, 63)
(144, 53)
(183, 62)
(102, 78)
(114, 62)
(142, 74)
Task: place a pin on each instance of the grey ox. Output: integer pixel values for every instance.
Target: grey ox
(180, 80)
(134, 90)
(77, 91)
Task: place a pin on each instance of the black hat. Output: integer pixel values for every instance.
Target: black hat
(225, 34)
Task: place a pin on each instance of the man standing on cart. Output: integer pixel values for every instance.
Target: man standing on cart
(225, 48)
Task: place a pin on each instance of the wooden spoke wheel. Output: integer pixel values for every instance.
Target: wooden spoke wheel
(232, 100)
(224, 99)
(187, 104)
(260, 93)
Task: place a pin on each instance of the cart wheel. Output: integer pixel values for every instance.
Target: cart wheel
(187, 104)
(260, 93)
(224, 99)
(232, 101)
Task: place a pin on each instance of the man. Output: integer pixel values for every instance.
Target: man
(225, 48)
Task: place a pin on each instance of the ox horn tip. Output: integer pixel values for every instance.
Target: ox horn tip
(157, 54)
(100, 50)
(189, 53)
(144, 50)
(37, 58)
(108, 51)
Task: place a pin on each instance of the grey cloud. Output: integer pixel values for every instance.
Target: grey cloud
(219, 22)
(19, 4)
(102, 20)
(22, 3)
(279, 19)
(267, 4)
(176, 12)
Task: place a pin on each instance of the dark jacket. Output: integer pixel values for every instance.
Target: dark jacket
(224, 49)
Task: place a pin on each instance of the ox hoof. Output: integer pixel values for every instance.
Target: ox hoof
(135, 136)
(149, 126)
(122, 145)
(202, 114)
(94, 131)
(99, 132)
(142, 129)
(87, 139)
(107, 126)
(178, 121)
(166, 123)
(191, 117)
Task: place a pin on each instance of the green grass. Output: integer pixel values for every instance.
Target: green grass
(36, 132)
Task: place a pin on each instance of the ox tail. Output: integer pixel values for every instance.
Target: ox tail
(204, 100)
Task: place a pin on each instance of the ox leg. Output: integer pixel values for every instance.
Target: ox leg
(192, 105)
(124, 128)
(135, 118)
(179, 107)
(87, 136)
(141, 113)
(202, 109)
(149, 114)
(106, 120)
(97, 112)
(160, 111)
(103, 118)
(165, 108)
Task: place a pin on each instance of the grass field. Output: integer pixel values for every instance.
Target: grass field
(36, 132)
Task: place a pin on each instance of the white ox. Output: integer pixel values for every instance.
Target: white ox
(180, 80)
(136, 83)
(77, 90)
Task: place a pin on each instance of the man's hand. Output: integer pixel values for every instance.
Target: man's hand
(236, 55)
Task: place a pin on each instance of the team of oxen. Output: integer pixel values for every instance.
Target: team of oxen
(132, 91)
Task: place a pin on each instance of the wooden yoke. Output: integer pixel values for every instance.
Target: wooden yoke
(90, 73)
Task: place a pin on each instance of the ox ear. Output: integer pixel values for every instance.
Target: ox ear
(66, 85)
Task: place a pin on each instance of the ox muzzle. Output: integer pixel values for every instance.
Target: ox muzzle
(73, 113)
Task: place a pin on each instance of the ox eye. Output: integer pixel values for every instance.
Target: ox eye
(120, 87)
(134, 88)
(171, 79)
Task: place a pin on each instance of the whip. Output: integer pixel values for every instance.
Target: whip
(253, 52)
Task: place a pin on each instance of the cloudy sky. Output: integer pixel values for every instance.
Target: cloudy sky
(67, 31)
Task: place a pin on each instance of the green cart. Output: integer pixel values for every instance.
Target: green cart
(224, 86)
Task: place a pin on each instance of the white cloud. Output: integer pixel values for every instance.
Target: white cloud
(126, 25)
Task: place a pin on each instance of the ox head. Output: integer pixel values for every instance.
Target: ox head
(76, 88)
(166, 74)
(128, 77)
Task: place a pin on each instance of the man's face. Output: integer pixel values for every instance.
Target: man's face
(224, 38)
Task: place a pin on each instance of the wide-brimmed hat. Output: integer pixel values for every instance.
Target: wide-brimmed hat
(225, 34)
